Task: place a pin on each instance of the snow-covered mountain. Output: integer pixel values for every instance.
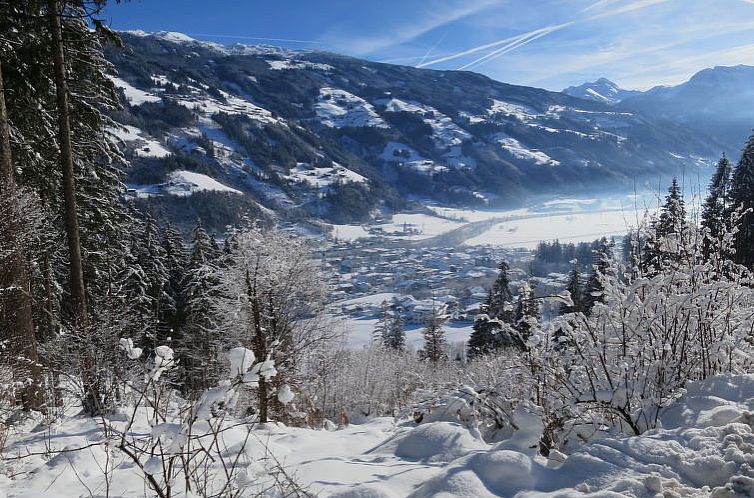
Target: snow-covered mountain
(718, 102)
(602, 90)
(294, 135)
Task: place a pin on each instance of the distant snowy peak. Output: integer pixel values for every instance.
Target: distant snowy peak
(603, 90)
(231, 49)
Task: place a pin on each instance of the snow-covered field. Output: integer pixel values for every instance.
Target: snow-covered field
(705, 449)
(528, 232)
(567, 219)
(183, 183)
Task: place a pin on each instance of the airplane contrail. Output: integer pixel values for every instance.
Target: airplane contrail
(473, 50)
(529, 37)
(432, 49)
(513, 42)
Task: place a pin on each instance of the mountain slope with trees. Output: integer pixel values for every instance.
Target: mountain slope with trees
(329, 136)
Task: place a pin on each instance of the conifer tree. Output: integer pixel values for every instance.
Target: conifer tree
(197, 343)
(575, 287)
(500, 297)
(527, 316)
(484, 338)
(715, 211)
(395, 337)
(435, 345)
(668, 235)
(176, 266)
(742, 197)
(593, 290)
(382, 326)
(16, 314)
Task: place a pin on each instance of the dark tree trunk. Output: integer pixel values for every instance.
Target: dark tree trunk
(78, 294)
(16, 315)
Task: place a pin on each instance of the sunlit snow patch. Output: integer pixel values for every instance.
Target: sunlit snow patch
(338, 108)
(516, 149)
(134, 95)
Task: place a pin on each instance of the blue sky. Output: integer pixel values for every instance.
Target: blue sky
(545, 43)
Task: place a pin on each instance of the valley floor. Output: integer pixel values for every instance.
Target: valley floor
(706, 448)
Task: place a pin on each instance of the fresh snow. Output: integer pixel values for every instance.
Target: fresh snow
(183, 183)
(705, 449)
(279, 65)
(528, 231)
(187, 182)
(405, 155)
(349, 232)
(520, 112)
(133, 94)
(143, 145)
(338, 108)
(445, 132)
(321, 178)
(516, 149)
(360, 331)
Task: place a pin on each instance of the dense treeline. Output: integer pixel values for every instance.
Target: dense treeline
(556, 256)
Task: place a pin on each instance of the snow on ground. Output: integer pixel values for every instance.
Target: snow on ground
(706, 449)
(134, 95)
(278, 65)
(183, 183)
(151, 148)
(349, 232)
(474, 215)
(321, 178)
(419, 226)
(520, 112)
(444, 131)
(208, 106)
(516, 149)
(143, 146)
(338, 108)
(359, 331)
(187, 182)
(402, 153)
(573, 227)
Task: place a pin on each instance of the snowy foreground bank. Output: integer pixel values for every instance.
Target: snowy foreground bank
(706, 448)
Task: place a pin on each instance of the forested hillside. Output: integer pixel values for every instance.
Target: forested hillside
(323, 135)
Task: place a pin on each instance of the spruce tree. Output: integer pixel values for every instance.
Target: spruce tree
(176, 266)
(500, 296)
(575, 287)
(197, 343)
(527, 316)
(395, 337)
(16, 313)
(668, 235)
(715, 211)
(435, 345)
(593, 290)
(742, 197)
(382, 327)
(484, 338)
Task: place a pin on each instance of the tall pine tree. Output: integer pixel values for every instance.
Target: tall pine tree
(715, 211)
(594, 289)
(742, 197)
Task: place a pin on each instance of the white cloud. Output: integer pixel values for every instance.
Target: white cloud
(413, 28)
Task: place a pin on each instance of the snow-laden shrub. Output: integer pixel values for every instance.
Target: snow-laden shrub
(686, 317)
(185, 451)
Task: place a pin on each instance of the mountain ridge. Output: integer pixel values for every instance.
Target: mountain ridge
(601, 90)
(326, 136)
